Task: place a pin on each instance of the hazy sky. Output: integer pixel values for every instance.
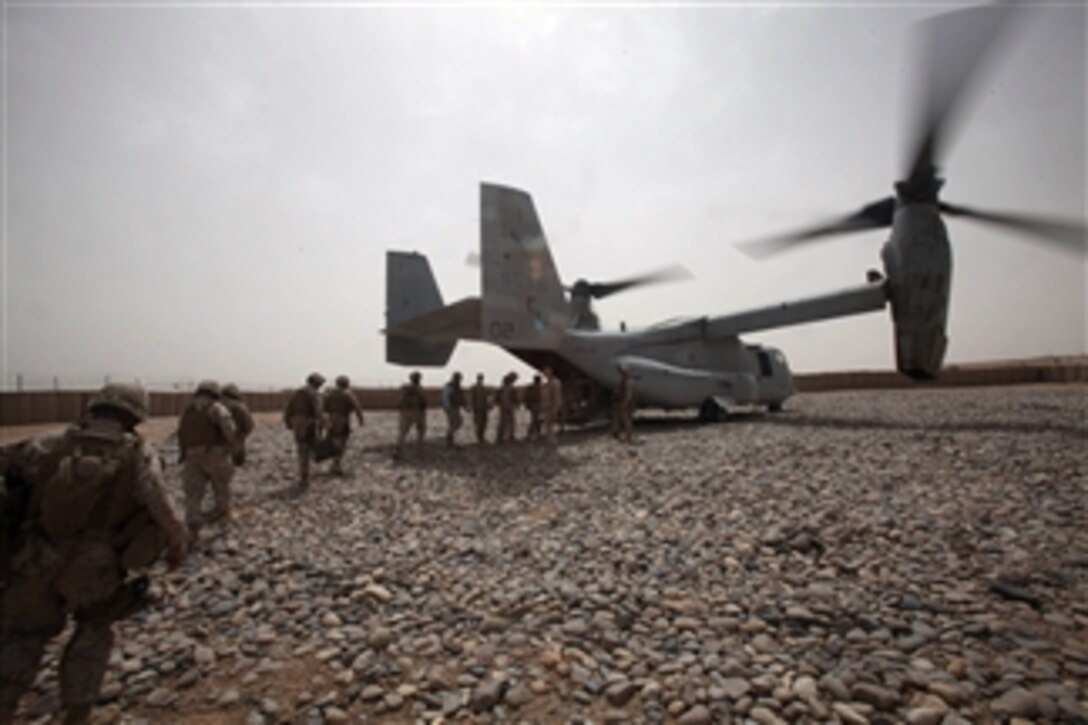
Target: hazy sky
(208, 190)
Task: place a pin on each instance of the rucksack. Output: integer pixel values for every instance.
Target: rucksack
(300, 405)
(89, 471)
(14, 502)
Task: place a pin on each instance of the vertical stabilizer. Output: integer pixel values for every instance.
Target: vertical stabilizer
(523, 301)
(410, 291)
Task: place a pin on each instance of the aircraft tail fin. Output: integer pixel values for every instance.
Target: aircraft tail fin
(411, 292)
(524, 305)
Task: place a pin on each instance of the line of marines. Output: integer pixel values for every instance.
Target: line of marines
(85, 512)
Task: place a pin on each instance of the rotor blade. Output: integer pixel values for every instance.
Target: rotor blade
(1067, 235)
(872, 216)
(600, 290)
(953, 48)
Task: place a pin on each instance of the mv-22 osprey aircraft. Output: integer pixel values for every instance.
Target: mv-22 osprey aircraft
(703, 363)
(696, 363)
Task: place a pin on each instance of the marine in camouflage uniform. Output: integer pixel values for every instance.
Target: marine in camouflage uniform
(72, 560)
(551, 401)
(340, 405)
(532, 403)
(453, 402)
(412, 408)
(243, 421)
(623, 405)
(303, 416)
(206, 439)
(480, 401)
(508, 402)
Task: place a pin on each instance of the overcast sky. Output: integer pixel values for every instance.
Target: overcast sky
(208, 190)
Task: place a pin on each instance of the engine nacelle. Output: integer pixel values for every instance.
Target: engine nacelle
(918, 263)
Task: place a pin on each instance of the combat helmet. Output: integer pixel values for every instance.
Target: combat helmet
(342, 381)
(415, 377)
(315, 379)
(128, 397)
(208, 387)
(230, 390)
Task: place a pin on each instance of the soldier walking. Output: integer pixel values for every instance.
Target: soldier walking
(206, 439)
(480, 400)
(413, 413)
(532, 401)
(243, 421)
(551, 400)
(340, 405)
(508, 402)
(303, 416)
(623, 405)
(453, 401)
(94, 509)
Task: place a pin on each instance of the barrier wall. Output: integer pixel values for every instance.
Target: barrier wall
(53, 406)
(49, 406)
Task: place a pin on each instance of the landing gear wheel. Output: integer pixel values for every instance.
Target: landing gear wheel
(710, 412)
(775, 407)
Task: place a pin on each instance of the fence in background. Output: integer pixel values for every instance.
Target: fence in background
(52, 406)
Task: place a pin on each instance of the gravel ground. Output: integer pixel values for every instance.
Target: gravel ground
(912, 556)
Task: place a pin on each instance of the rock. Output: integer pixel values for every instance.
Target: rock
(697, 715)
(848, 714)
(925, 716)
(378, 593)
(371, 693)
(735, 687)
(620, 693)
(950, 692)
(380, 637)
(204, 656)
(1016, 702)
(335, 714)
(487, 694)
(879, 697)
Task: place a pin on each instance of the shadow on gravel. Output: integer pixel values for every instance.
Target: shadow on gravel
(800, 420)
(489, 470)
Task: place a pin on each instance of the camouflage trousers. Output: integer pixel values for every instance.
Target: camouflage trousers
(306, 434)
(44, 589)
(506, 426)
(551, 422)
(203, 465)
(534, 425)
(622, 422)
(339, 432)
(411, 419)
(479, 422)
(453, 423)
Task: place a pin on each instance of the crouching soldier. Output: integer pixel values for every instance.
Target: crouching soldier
(95, 512)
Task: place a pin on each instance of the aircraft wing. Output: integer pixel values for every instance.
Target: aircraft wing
(457, 321)
(855, 301)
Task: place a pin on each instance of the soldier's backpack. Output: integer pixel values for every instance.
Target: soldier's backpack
(300, 405)
(84, 480)
(14, 500)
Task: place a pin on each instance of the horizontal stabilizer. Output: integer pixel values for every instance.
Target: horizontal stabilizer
(408, 351)
(411, 292)
(459, 321)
